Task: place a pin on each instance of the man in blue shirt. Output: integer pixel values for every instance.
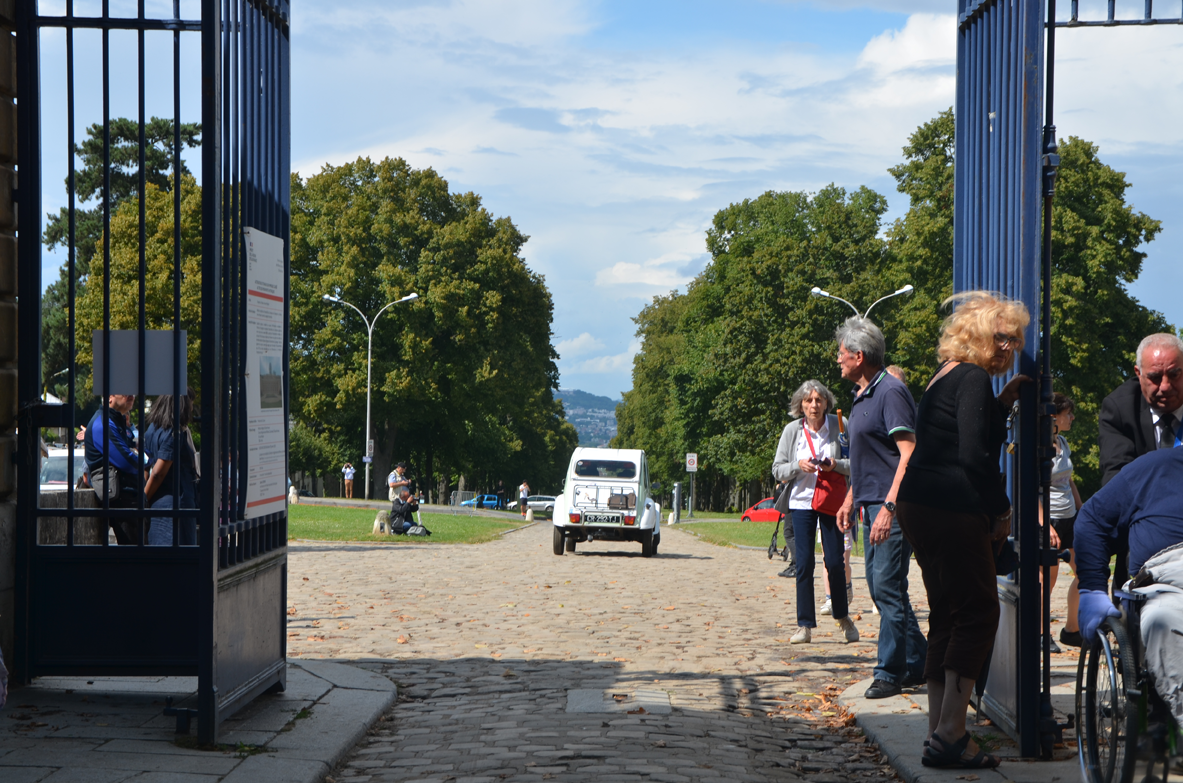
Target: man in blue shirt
(882, 436)
(1144, 505)
(117, 452)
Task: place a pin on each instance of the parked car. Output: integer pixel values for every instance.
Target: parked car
(487, 501)
(761, 512)
(543, 503)
(606, 497)
(55, 469)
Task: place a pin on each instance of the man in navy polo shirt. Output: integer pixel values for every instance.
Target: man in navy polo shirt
(882, 436)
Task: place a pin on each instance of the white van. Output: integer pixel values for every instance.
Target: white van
(606, 497)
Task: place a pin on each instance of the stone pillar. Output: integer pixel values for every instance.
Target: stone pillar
(8, 271)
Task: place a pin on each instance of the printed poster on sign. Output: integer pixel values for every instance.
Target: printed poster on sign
(267, 458)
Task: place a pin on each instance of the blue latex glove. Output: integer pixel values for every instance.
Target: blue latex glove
(1095, 606)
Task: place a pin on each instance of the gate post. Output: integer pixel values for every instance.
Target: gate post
(8, 331)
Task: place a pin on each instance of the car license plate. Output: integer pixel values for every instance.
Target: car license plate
(601, 519)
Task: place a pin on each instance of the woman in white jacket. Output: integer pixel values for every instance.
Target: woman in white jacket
(809, 447)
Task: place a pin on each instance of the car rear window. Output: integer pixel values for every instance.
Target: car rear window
(605, 468)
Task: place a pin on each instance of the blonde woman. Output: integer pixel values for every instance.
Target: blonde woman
(953, 507)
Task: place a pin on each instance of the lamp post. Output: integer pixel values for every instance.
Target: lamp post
(369, 365)
(815, 291)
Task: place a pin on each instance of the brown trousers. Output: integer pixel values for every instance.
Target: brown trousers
(956, 559)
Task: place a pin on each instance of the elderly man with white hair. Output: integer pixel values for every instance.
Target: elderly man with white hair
(1143, 414)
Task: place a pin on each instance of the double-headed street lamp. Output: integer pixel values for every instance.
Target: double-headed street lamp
(815, 291)
(369, 366)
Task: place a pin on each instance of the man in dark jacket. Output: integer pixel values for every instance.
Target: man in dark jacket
(1143, 414)
(111, 444)
(402, 513)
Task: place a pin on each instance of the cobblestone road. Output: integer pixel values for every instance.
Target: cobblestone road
(683, 660)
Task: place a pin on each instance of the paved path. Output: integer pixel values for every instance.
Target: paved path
(683, 661)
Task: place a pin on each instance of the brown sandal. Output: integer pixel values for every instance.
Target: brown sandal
(952, 755)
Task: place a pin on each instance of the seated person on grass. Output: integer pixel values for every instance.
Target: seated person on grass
(402, 513)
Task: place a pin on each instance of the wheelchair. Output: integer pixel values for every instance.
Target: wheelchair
(1121, 721)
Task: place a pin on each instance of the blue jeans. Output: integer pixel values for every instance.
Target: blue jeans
(805, 524)
(902, 647)
(160, 532)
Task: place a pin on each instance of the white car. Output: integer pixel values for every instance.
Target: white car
(55, 470)
(543, 503)
(606, 498)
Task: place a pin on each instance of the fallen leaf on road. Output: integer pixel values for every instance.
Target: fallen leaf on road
(625, 660)
(638, 711)
(669, 608)
(316, 638)
(480, 646)
(402, 640)
(659, 744)
(292, 611)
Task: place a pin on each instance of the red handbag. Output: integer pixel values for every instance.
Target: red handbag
(830, 492)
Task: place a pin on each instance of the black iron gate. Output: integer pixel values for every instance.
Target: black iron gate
(213, 608)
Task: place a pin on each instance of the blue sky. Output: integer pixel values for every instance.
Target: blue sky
(611, 132)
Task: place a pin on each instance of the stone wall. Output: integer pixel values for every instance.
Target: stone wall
(8, 271)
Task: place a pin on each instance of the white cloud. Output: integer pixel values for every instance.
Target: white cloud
(615, 158)
(579, 346)
(601, 365)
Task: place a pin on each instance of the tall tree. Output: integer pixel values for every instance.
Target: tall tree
(463, 378)
(1096, 236)
(88, 229)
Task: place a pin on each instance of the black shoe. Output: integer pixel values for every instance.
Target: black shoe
(1071, 638)
(789, 573)
(913, 682)
(1051, 644)
(881, 689)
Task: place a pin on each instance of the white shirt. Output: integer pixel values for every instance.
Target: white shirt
(1155, 416)
(349, 471)
(801, 495)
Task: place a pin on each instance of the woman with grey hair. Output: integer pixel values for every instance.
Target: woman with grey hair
(809, 449)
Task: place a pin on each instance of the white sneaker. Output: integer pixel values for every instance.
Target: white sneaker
(848, 629)
(827, 608)
(801, 637)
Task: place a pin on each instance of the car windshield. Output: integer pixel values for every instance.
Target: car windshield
(53, 470)
(605, 468)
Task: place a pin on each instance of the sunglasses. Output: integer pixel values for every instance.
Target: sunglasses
(1006, 340)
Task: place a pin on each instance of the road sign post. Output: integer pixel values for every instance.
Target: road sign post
(691, 468)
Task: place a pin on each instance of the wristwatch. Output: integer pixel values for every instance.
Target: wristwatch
(889, 506)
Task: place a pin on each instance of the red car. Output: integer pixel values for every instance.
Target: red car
(761, 512)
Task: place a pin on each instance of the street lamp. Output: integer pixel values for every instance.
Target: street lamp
(369, 364)
(815, 291)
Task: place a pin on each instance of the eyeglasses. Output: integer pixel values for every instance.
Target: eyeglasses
(1006, 340)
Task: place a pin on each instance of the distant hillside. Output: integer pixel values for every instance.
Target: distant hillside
(594, 416)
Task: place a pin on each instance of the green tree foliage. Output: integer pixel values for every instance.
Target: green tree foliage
(88, 228)
(1096, 323)
(719, 363)
(312, 452)
(463, 378)
(123, 308)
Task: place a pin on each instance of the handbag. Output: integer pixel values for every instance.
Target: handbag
(830, 492)
(105, 481)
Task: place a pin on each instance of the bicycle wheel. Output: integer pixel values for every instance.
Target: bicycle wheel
(1107, 719)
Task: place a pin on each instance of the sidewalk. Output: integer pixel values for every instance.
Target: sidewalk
(110, 729)
(899, 726)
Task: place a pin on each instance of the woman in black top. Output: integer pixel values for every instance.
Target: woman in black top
(952, 506)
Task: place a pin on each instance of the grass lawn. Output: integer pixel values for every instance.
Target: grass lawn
(327, 523)
(745, 534)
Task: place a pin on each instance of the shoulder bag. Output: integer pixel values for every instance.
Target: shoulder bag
(830, 492)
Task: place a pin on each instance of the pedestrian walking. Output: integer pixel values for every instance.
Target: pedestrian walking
(523, 497)
(953, 507)
(881, 431)
(809, 458)
(1064, 502)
